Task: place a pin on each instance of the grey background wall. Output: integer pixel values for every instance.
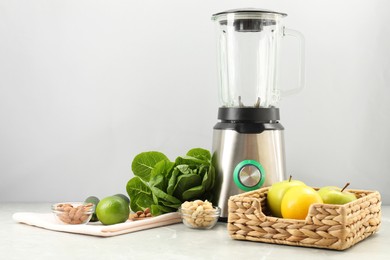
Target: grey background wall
(87, 85)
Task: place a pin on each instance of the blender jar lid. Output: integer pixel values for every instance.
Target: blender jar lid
(248, 19)
(251, 12)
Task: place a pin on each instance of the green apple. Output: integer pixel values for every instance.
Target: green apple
(335, 195)
(276, 193)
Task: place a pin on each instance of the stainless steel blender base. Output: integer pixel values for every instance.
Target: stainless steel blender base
(235, 155)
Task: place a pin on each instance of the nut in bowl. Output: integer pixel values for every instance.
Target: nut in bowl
(199, 214)
(73, 212)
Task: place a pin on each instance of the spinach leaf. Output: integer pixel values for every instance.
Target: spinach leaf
(143, 163)
(159, 209)
(137, 186)
(189, 160)
(164, 196)
(140, 202)
(171, 205)
(185, 182)
(163, 167)
(209, 178)
(201, 154)
(195, 157)
(172, 181)
(199, 192)
(160, 174)
(140, 194)
(184, 169)
(157, 181)
(195, 192)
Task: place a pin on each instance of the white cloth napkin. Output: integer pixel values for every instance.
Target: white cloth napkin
(48, 221)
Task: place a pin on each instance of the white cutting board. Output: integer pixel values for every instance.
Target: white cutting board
(48, 221)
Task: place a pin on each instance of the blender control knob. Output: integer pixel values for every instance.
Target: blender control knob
(249, 175)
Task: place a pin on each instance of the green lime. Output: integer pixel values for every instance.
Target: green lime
(94, 200)
(112, 210)
(123, 197)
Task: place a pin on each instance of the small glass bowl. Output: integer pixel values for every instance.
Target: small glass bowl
(73, 212)
(200, 220)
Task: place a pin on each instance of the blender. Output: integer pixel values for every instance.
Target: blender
(248, 140)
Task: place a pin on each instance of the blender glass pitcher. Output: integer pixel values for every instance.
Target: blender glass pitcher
(248, 46)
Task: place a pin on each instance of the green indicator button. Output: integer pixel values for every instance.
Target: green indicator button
(249, 175)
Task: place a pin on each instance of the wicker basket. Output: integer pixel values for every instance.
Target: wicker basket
(326, 226)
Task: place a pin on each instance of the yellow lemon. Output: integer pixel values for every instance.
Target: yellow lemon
(297, 200)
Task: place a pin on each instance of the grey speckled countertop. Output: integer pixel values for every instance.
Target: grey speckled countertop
(20, 241)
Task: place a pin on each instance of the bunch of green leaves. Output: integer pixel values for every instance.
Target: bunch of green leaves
(163, 186)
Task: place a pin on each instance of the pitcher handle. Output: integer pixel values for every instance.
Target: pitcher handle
(301, 79)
